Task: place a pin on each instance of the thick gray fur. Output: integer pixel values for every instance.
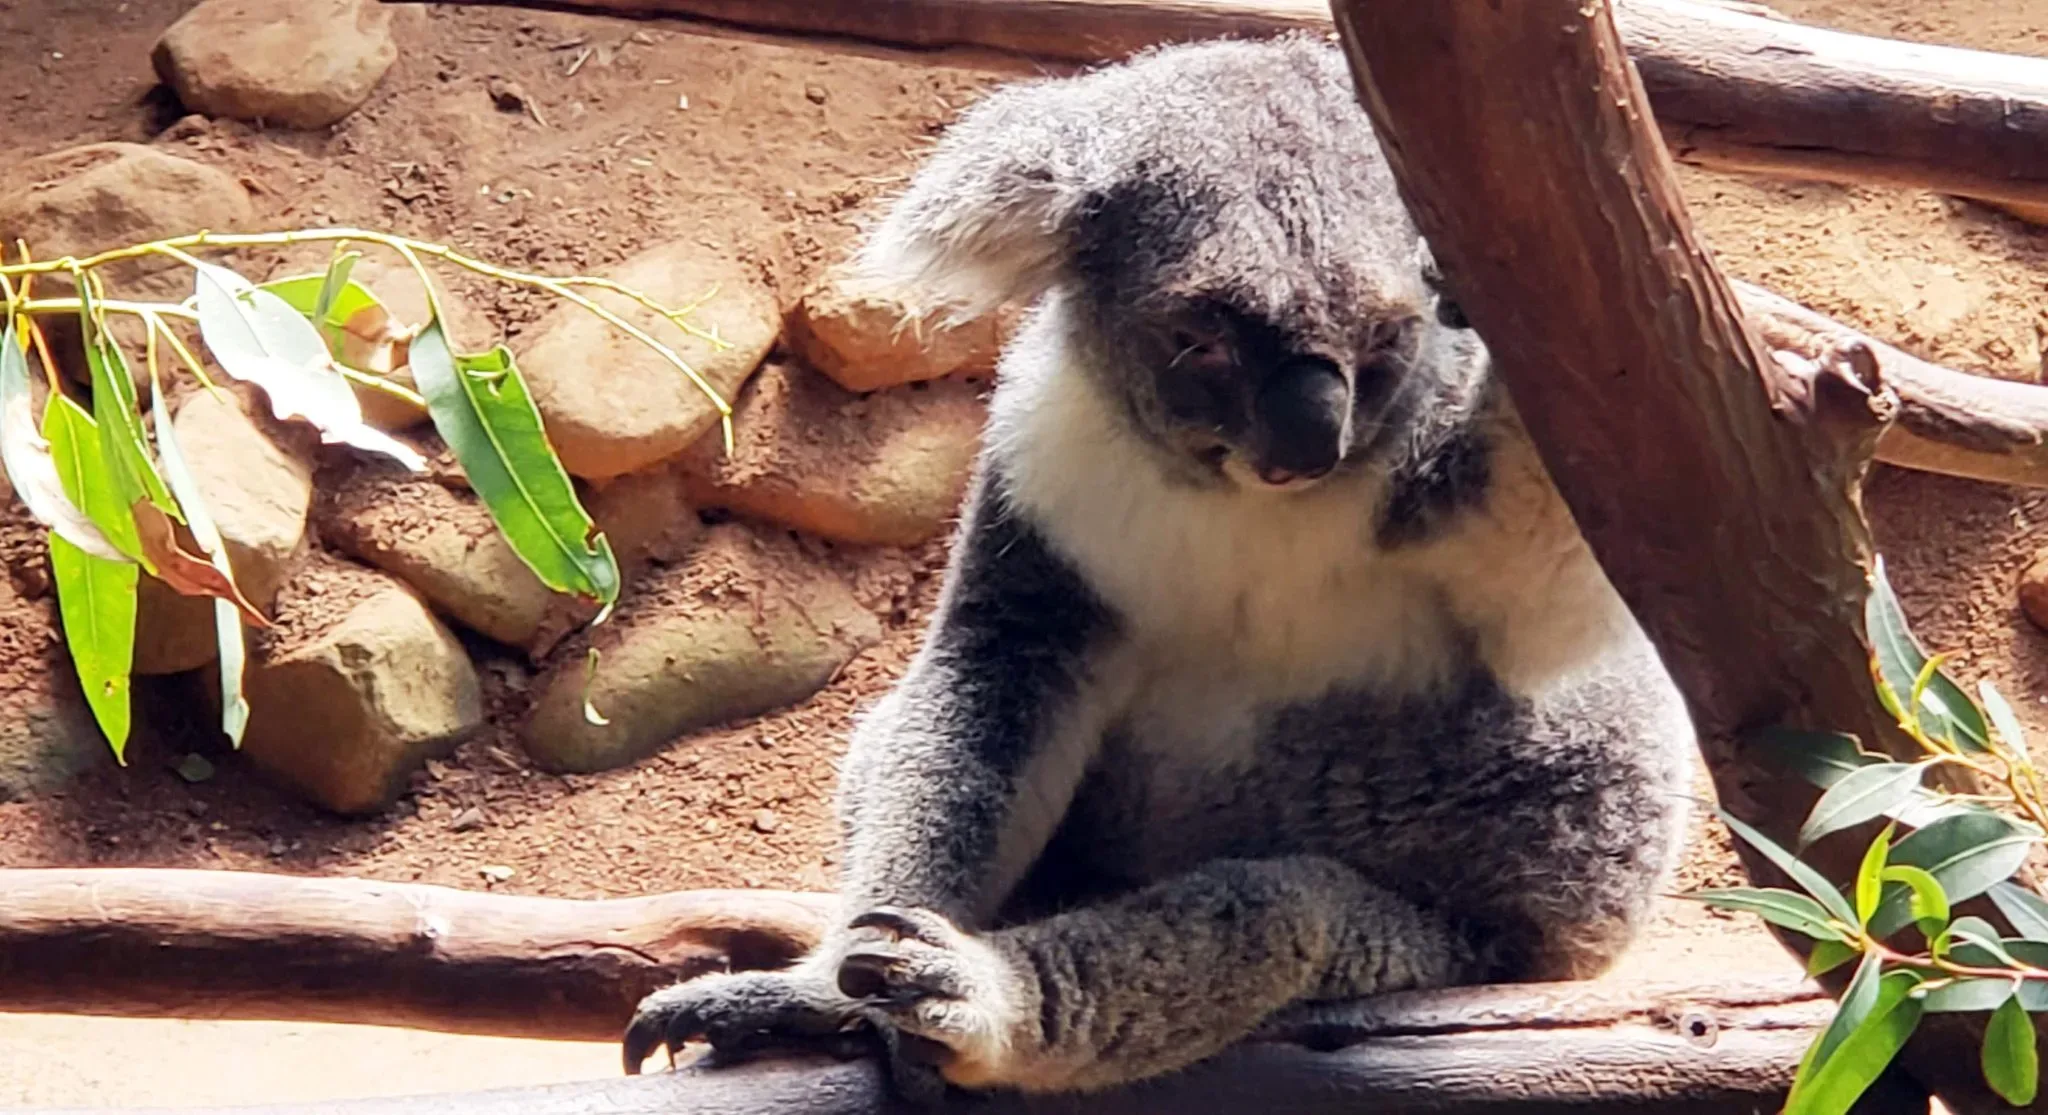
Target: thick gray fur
(1269, 666)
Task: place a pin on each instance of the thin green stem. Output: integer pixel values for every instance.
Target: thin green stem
(175, 248)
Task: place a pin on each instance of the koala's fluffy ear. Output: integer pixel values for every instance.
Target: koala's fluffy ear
(991, 215)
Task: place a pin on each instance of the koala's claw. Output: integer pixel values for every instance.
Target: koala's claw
(946, 997)
(738, 1014)
(901, 923)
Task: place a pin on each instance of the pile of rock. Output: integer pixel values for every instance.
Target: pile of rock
(855, 423)
(852, 425)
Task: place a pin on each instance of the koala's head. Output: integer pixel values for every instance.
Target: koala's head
(1225, 238)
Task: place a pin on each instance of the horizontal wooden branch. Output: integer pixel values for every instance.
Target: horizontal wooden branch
(234, 945)
(1949, 421)
(201, 944)
(1731, 89)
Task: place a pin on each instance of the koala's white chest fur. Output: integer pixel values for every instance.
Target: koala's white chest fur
(1237, 602)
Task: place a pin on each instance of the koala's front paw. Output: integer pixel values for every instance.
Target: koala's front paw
(740, 1013)
(955, 1002)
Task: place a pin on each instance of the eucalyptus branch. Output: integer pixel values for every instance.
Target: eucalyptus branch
(564, 288)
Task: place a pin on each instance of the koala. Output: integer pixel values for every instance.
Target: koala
(1269, 668)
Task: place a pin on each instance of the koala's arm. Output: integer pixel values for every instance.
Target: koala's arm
(954, 782)
(1153, 981)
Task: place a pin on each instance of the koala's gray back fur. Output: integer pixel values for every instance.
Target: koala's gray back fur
(1176, 755)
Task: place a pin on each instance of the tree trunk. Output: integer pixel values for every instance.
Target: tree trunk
(1720, 492)
(224, 944)
(1732, 89)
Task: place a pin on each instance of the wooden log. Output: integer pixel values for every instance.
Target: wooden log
(1732, 89)
(1949, 421)
(1555, 212)
(224, 944)
(218, 944)
(1546, 1049)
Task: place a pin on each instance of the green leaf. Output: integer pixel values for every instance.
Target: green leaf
(1819, 758)
(1975, 995)
(1862, 795)
(1945, 711)
(342, 296)
(227, 619)
(2027, 911)
(1829, 955)
(114, 412)
(95, 597)
(2010, 732)
(482, 409)
(1968, 854)
(1779, 907)
(2011, 1064)
(1855, 1005)
(1929, 905)
(1986, 950)
(1856, 1061)
(1813, 881)
(259, 338)
(26, 457)
(1868, 882)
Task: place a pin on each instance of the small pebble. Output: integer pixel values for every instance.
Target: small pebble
(2033, 592)
(767, 821)
(467, 820)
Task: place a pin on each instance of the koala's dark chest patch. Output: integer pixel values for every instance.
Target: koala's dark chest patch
(1428, 488)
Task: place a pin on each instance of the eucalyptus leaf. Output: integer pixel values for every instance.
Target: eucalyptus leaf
(1869, 881)
(1779, 907)
(1855, 1063)
(1856, 1003)
(1929, 904)
(482, 409)
(1862, 795)
(1829, 955)
(2010, 732)
(1946, 712)
(1802, 873)
(1984, 937)
(1968, 854)
(2027, 911)
(1974, 995)
(114, 413)
(227, 619)
(259, 338)
(2012, 1066)
(95, 597)
(26, 456)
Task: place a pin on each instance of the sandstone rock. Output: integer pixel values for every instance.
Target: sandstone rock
(747, 624)
(47, 734)
(299, 63)
(646, 514)
(355, 689)
(866, 339)
(442, 543)
(883, 469)
(258, 495)
(611, 404)
(110, 195)
(2033, 592)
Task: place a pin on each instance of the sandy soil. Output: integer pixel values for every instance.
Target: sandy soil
(770, 150)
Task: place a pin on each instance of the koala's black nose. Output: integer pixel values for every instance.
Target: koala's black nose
(1301, 413)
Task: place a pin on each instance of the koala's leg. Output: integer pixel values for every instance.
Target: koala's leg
(950, 788)
(1148, 983)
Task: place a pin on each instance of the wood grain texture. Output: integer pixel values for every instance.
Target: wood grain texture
(1719, 490)
(244, 945)
(1535, 1050)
